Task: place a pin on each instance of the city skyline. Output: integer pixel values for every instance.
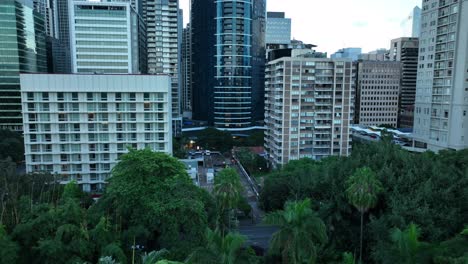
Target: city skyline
(366, 19)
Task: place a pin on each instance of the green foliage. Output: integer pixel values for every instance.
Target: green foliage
(227, 192)
(363, 189)
(178, 147)
(227, 188)
(153, 257)
(252, 162)
(214, 139)
(348, 258)
(221, 249)
(428, 189)
(8, 248)
(301, 232)
(12, 146)
(151, 198)
(244, 206)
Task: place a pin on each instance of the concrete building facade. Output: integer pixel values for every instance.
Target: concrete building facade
(378, 91)
(107, 37)
(164, 37)
(441, 119)
(308, 108)
(79, 125)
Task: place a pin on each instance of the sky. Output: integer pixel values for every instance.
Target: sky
(335, 24)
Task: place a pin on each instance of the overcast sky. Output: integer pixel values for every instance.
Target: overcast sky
(334, 24)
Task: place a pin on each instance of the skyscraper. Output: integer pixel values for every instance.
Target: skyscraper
(107, 37)
(22, 49)
(203, 27)
(163, 23)
(187, 72)
(416, 27)
(278, 30)
(62, 48)
(441, 118)
(231, 95)
(308, 108)
(406, 51)
(46, 9)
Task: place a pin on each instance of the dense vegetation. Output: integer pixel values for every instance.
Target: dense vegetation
(428, 190)
(150, 204)
(402, 208)
(11, 144)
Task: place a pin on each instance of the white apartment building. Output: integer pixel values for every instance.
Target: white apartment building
(378, 93)
(441, 119)
(164, 38)
(308, 108)
(107, 37)
(78, 126)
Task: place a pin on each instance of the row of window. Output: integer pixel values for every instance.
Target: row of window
(74, 96)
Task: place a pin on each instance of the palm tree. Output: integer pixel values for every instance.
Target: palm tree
(301, 231)
(407, 244)
(362, 192)
(227, 191)
(222, 250)
(154, 256)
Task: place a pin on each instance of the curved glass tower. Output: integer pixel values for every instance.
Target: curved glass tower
(233, 80)
(228, 81)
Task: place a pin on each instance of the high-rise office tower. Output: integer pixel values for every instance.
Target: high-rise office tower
(46, 8)
(203, 27)
(62, 48)
(78, 125)
(347, 53)
(163, 24)
(441, 118)
(406, 50)
(278, 31)
(416, 26)
(308, 108)
(107, 37)
(231, 94)
(22, 49)
(377, 95)
(187, 72)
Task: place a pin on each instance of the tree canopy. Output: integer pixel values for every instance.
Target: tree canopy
(427, 189)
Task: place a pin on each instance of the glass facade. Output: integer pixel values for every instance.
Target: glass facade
(22, 49)
(278, 29)
(107, 38)
(236, 91)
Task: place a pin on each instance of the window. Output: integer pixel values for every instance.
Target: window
(60, 97)
(30, 96)
(89, 96)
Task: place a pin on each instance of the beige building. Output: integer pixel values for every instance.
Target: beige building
(441, 108)
(308, 108)
(378, 91)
